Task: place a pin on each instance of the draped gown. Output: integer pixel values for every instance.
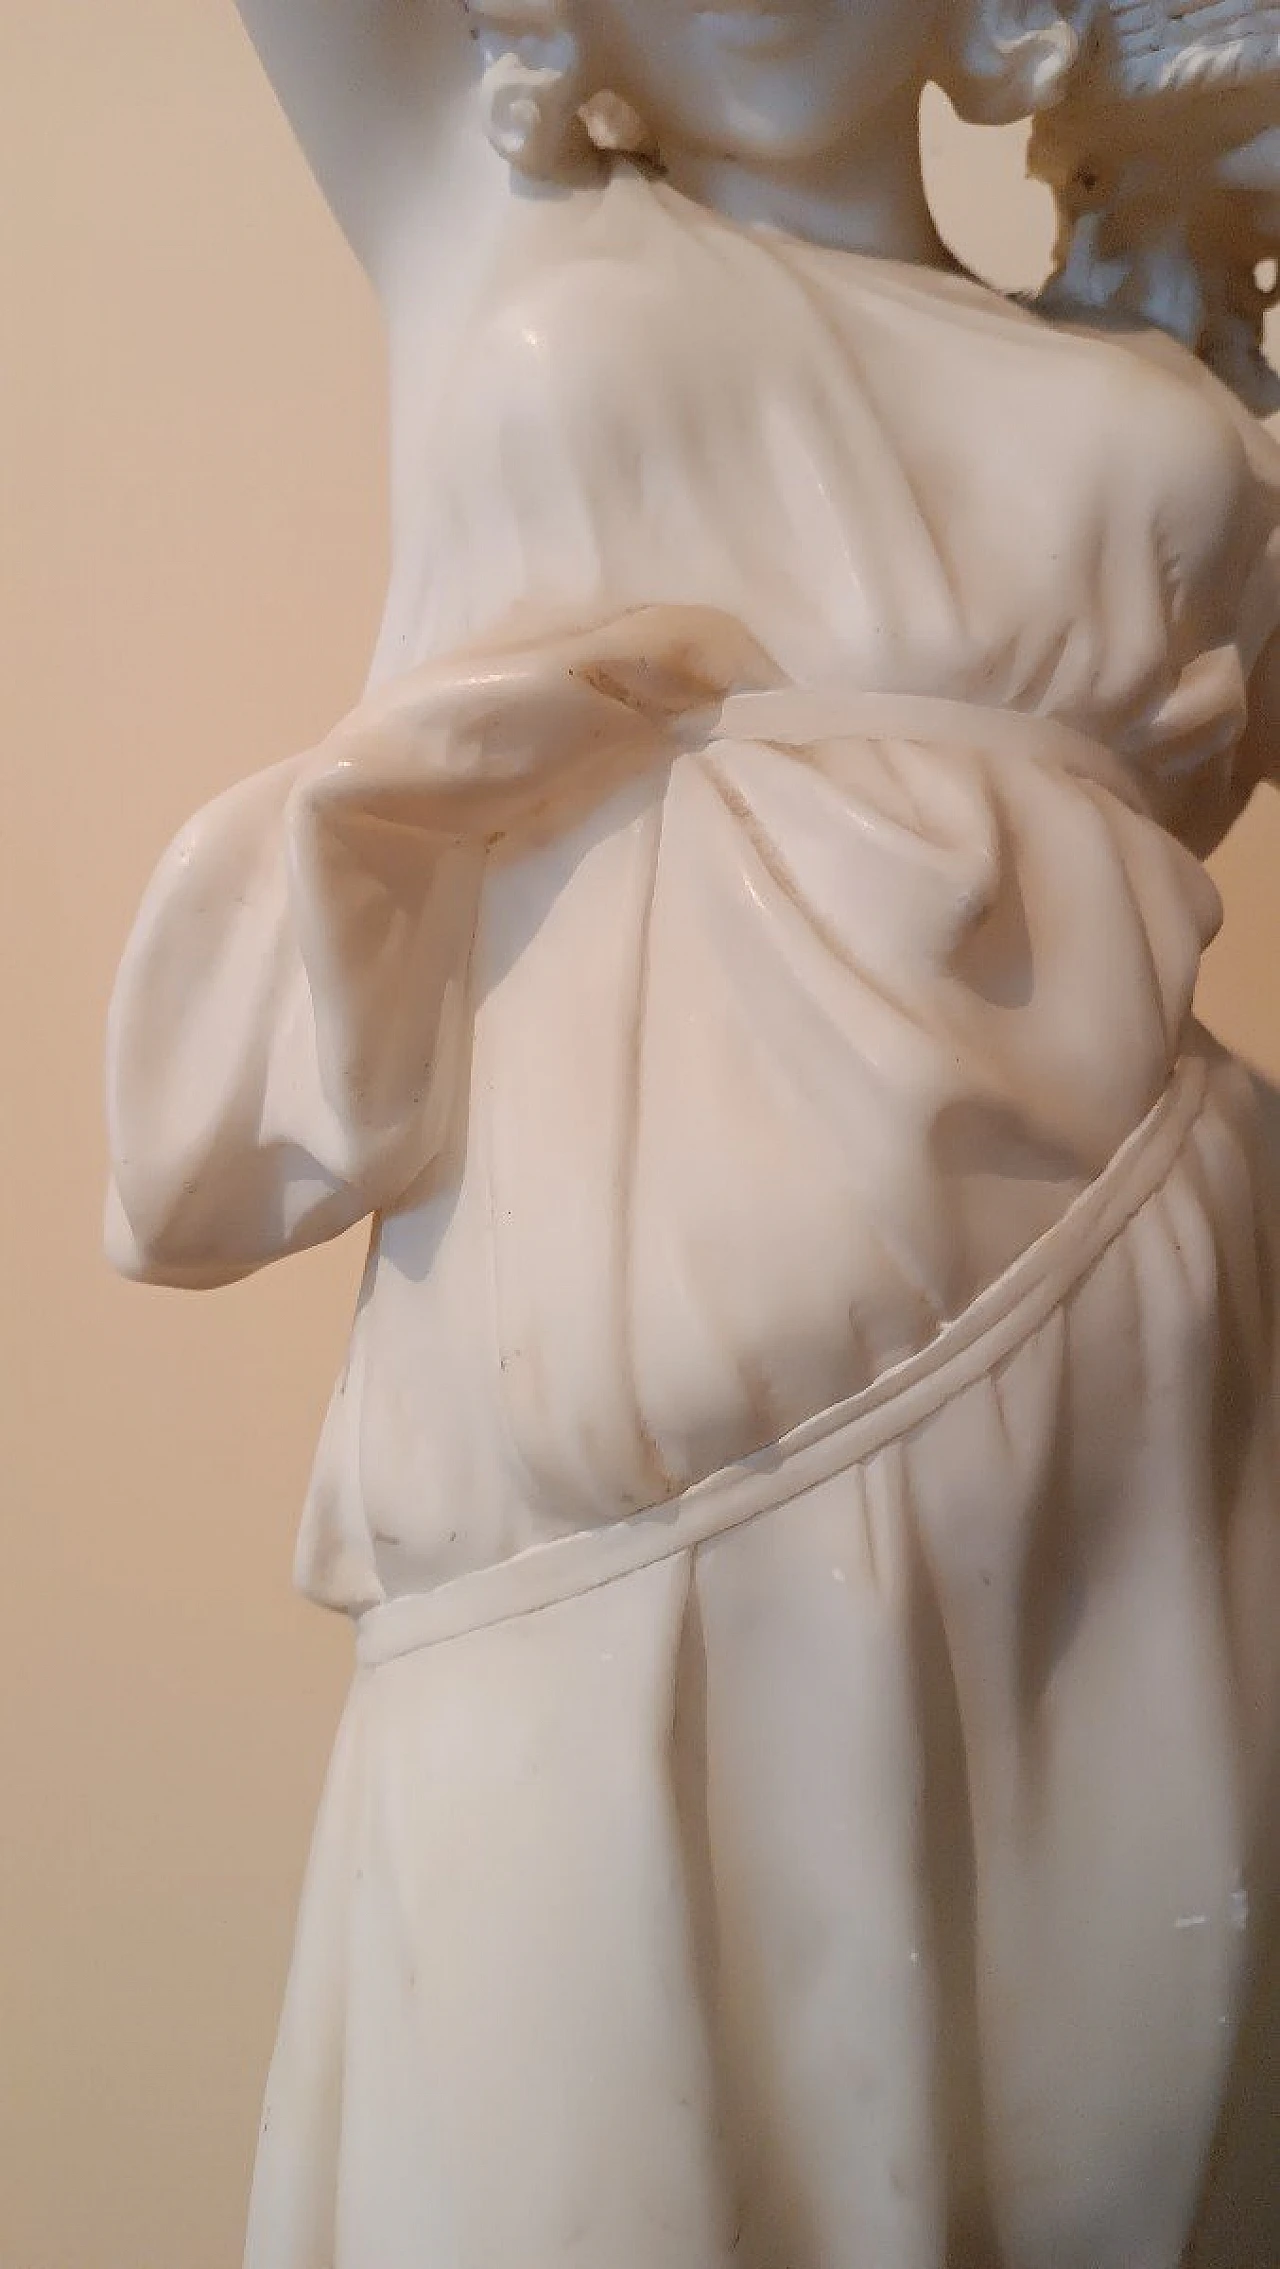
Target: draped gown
(805, 1471)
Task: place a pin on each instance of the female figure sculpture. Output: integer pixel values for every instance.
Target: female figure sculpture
(805, 1470)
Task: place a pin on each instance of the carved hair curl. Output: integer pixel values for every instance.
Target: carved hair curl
(1001, 60)
(541, 112)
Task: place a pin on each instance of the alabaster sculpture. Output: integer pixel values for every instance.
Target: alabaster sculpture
(804, 1479)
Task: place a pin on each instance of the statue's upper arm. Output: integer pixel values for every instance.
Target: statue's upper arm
(363, 83)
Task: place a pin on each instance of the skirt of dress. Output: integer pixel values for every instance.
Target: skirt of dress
(873, 1883)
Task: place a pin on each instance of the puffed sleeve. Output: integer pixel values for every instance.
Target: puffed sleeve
(1214, 733)
(285, 1030)
(1260, 751)
(288, 1039)
(1258, 633)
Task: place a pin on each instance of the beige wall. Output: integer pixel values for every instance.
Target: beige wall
(191, 551)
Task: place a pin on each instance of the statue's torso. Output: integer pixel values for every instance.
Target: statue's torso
(779, 1059)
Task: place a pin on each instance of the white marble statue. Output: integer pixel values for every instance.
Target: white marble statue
(805, 1475)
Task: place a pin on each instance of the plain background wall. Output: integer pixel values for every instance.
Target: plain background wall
(191, 553)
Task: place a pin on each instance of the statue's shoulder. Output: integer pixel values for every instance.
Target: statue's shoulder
(600, 265)
(1158, 442)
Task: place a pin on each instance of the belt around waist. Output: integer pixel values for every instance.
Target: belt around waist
(991, 1328)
